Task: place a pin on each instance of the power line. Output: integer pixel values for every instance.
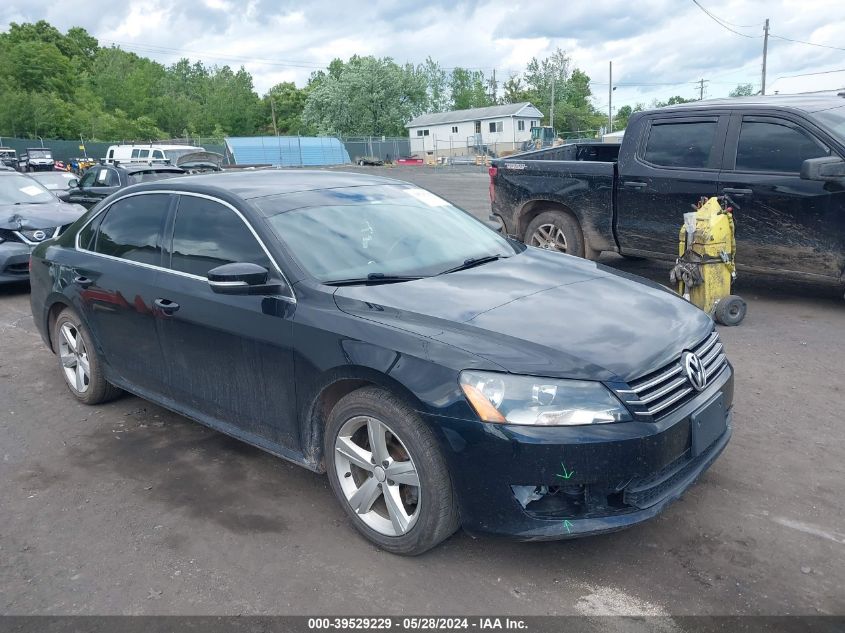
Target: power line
(787, 39)
(724, 24)
(821, 72)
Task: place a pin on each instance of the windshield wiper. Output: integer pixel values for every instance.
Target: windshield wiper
(373, 278)
(475, 261)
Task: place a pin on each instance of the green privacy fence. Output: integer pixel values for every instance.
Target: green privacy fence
(66, 150)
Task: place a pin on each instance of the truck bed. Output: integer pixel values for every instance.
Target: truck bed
(577, 177)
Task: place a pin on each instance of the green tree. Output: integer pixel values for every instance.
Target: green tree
(437, 86)
(288, 102)
(468, 89)
(366, 96)
(742, 90)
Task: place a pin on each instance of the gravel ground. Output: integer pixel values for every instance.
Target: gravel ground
(127, 508)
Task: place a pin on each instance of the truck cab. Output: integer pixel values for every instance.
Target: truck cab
(780, 159)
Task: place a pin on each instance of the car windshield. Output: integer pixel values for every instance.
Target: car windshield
(833, 120)
(15, 189)
(40, 153)
(54, 180)
(149, 176)
(173, 154)
(381, 231)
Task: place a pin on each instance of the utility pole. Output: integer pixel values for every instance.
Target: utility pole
(765, 52)
(700, 89)
(552, 116)
(273, 110)
(610, 98)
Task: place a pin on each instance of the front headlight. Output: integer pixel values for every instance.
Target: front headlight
(510, 399)
(37, 235)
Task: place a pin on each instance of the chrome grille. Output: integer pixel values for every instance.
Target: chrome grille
(659, 393)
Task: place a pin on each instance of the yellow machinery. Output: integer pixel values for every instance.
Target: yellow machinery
(706, 264)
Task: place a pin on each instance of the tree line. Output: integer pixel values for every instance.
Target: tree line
(65, 85)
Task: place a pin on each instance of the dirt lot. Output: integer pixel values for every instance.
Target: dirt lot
(127, 508)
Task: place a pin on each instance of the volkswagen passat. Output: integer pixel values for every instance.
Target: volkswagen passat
(440, 374)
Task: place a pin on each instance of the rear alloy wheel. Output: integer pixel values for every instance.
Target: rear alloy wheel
(386, 469)
(79, 362)
(555, 231)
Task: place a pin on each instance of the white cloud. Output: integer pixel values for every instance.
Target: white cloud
(668, 43)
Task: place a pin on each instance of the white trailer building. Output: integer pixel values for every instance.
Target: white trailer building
(473, 131)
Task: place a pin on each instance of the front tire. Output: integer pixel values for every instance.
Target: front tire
(386, 470)
(78, 359)
(556, 231)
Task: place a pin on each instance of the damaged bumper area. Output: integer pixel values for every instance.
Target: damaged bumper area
(535, 483)
(14, 262)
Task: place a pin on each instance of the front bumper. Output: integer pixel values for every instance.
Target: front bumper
(14, 262)
(535, 483)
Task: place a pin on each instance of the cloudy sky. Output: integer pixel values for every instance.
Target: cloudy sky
(659, 48)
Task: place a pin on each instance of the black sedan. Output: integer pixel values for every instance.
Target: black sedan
(441, 374)
(101, 181)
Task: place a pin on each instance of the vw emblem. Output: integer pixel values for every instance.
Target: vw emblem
(39, 236)
(695, 371)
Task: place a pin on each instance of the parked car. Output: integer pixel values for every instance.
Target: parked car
(779, 158)
(100, 181)
(36, 159)
(149, 154)
(439, 373)
(29, 215)
(8, 157)
(56, 181)
(372, 161)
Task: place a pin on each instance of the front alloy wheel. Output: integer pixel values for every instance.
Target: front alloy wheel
(386, 469)
(377, 475)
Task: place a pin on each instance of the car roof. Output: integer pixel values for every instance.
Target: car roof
(808, 102)
(134, 169)
(258, 183)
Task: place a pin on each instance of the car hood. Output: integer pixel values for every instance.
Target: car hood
(38, 216)
(541, 313)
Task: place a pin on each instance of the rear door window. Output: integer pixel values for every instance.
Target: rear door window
(131, 228)
(775, 145)
(207, 234)
(682, 144)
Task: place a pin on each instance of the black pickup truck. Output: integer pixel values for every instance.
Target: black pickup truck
(779, 158)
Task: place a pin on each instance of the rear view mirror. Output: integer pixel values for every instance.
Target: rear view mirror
(241, 278)
(824, 168)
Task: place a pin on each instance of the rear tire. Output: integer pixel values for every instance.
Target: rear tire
(79, 361)
(405, 517)
(730, 310)
(556, 231)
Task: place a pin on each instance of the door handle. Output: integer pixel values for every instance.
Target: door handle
(738, 192)
(166, 305)
(634, 184)
(82, 281)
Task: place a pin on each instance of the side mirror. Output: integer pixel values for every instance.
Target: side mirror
(241, 278)
(824, 168)
(73, 183)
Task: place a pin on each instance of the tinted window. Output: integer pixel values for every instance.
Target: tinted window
(131, 227)
(88, 178)
(681, 144)
(774, 147)
(208, 234)
(86, 235)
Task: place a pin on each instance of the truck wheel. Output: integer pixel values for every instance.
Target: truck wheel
(556, 231)
(730, 310)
